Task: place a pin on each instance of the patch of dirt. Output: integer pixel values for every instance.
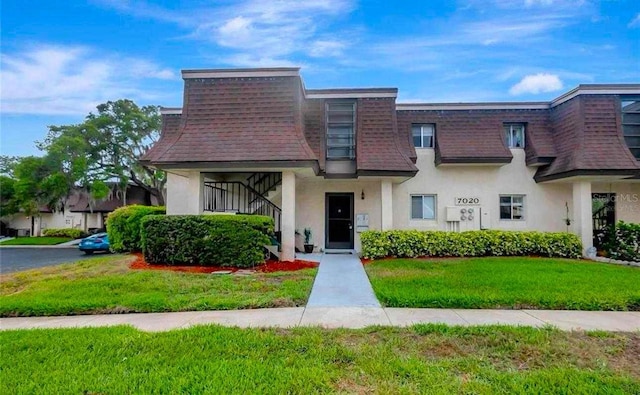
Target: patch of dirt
(269, 266)
(350, 386)
(114, 310)
(283, 302)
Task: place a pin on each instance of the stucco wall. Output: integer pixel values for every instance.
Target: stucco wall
(310, 204)
(56, 220)
(19, 221)
(62, 220)
(178, 194)
(544, 203)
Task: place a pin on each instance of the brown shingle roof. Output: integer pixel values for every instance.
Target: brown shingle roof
(378, 146)
(135, 195)
(587, 134)
(461, 136)
(266, 116)
(378, 143)
(168, 135)
(238, 120)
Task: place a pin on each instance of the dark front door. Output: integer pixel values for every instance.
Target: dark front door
(604, 215)
(339, 220)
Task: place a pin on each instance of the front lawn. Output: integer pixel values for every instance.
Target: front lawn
(505, 282)
(432, 359)
(108, 285)
(35, 241)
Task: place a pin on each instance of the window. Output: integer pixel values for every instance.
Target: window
(423, 135)
(514, 135)
(631, 124)
(341, 143)
(423, 206)
(512, 207)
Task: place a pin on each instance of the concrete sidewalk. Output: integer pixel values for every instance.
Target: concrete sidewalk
(342, 317)
(342, 282)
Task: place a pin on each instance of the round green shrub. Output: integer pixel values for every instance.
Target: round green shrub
(206, 240)
(124, 225)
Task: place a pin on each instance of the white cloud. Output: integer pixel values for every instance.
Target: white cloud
(537, 83)
(326, 48)
(256, 32)
(51, 79)
(635, 22)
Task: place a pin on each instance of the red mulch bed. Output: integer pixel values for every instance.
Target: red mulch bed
(277, 266)
(269, 266)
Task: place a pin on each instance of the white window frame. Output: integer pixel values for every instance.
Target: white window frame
(423, 195)
(431, 127)
(351, 146)
(510, 129)
(511, 207)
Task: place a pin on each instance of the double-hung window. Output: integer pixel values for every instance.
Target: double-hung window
(341, 120)
(423, 135)
(514, 135)
(423, 206)
(512, 207)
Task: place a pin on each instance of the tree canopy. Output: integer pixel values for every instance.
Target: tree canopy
(102, 150)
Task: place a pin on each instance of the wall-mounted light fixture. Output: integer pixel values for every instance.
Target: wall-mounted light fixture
(362, 195)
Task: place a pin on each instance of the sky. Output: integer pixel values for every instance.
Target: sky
(60, 58)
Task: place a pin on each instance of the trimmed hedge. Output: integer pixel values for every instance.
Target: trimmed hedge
(415, 243)
(123, 226)
(622, 241)
(207, 240)
(64, 232)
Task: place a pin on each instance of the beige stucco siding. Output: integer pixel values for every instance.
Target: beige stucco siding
(310, 204)
(179, 195)
(544, 203)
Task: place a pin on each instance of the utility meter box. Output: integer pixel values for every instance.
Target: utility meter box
(453, 214)
(485, 219)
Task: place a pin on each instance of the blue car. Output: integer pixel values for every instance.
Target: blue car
(93, 243)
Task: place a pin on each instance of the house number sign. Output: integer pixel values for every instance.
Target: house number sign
(468, 201)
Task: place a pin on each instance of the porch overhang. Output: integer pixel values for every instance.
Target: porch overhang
(214, 166)
(594, 175)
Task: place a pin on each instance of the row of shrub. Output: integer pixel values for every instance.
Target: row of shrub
(207, 240)
(622, 241)
(415, 243)
(64, 232)
(124, 226)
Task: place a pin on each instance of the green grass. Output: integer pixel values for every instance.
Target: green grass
(107, 285)
(35, 241)
(424, 359)
(512, 283)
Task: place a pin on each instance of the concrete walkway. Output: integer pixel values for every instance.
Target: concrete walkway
(342, 317)
(341, 282)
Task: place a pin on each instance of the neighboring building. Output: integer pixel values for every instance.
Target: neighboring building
(345, 160)
(77, 213)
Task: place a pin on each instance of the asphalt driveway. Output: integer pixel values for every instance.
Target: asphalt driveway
(17, 259)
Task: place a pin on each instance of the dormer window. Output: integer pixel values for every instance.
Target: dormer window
(514, 135)
(341, 120)
(631, 124)
(423, 135)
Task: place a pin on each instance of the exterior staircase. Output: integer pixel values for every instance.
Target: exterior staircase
(254, 196)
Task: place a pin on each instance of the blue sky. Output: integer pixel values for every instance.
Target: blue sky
(61, 58)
